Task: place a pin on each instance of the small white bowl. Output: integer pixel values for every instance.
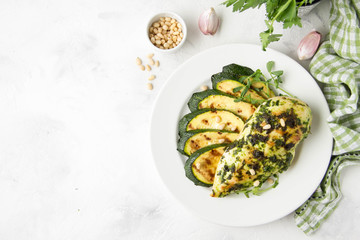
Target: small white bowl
(156, 18)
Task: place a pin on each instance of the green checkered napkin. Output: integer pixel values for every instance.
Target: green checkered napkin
(337, 65)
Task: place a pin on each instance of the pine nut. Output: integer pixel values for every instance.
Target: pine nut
(157, 63)
(149, 86)
(142, 67)
(222, 126)
(148, 67)
(217, 119)
(138, 61)
(233, 128)
(270, 180)
(256, 183)
(150, 55)
(267, 126)
(252, 172)
(198, 165)
(166, 29)
(221, 140)
(152, 77)
(152, 62)
(282, 122)
(204, 87)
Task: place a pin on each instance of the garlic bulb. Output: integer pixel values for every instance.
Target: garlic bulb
(209, 22)
(308, 45)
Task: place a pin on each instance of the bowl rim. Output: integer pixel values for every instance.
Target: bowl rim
(156, 17)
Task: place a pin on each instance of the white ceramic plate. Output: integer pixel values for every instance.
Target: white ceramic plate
(296, 185)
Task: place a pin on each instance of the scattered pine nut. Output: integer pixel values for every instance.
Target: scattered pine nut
(148, 67)
(222, 126)
(151, 61)
(152, 77)
(282, 122)
(138, 61)
(267, 126)
(204, 87)
(252, 172)
(217, 119)
(157, 63)
(142, 67)
(221, 140)
(270, 180)
(150, 55)
(256, 183)
(149, 86)
(233, 128)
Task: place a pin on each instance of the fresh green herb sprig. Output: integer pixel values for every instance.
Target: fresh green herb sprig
(275, 77)
(274, 81)
(283, 11)
(258, 191)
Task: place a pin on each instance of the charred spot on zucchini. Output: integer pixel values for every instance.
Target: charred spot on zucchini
(190, 142)
(208, 119)
(214, 99)
(200, 167)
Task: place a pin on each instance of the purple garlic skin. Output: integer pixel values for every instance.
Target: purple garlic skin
(309, 45)
(209, 22)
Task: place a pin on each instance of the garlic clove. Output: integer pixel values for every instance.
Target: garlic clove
(209, 22)
(309, 45)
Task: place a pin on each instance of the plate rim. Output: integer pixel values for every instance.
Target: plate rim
(167, 82)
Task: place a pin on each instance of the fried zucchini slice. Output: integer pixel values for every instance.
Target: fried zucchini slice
(238, 71)
(190, 142)
(211, 119)
(228, 86)
(214, 99)
(201, 166)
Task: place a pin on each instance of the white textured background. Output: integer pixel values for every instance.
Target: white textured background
(74, 147)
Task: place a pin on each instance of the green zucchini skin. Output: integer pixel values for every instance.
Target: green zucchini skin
(184, 121)
(230, 72)
(186, 135)
(218, 77)
(189, 162)
(234, 72)
(197, 97)
(237, 70)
